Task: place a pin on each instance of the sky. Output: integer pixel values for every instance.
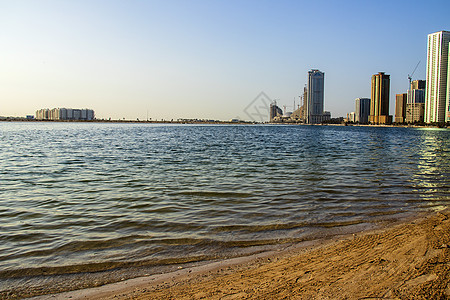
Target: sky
(210, 59)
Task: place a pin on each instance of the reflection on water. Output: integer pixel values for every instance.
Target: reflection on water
(85, 197)
(433, 165)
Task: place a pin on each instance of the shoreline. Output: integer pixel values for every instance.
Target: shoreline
(409, 258)
(218, 122)
(48, 282)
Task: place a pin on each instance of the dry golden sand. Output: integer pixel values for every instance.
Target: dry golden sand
(408, 261)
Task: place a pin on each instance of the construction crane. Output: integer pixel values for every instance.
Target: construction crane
(410, 76)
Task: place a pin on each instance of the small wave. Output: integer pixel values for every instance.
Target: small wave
(338, 223)
(383, 213)
(23, 237)
(287, 226)
(100, 267)
(157, 225)
(258, 228)
(214, 194)
(78, 246)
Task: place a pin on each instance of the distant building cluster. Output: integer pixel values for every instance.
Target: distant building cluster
(312, 109)
(429, 101)
(65, 114)
(410, 106)
(426, 101)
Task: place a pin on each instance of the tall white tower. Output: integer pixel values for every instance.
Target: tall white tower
(314, 107)
(437, 105)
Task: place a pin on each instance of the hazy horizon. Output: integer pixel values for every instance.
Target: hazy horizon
(205, 59)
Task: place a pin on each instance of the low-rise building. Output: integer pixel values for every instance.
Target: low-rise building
(65, 114)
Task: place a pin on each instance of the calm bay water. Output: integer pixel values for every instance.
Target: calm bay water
(84, 197)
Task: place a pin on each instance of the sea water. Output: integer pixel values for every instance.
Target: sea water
(81, 198)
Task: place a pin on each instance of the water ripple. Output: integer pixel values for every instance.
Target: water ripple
(81, 197)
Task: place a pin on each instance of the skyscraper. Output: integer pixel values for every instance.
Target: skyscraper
(400, 107)
(362, 110)
(437, 105)
(379, 103)
(315, 93)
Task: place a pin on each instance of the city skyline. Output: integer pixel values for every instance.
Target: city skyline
(203, 59)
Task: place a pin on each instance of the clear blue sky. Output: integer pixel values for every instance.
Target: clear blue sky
(205, 59)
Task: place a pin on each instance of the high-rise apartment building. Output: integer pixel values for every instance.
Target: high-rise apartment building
(362, 110)
(379, 101)
(400, 107)
(42, 114)
(315, 96)
(415, 105)
(437, 102)
(274, 111)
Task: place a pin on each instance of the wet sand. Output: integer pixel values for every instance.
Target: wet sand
(405, 261)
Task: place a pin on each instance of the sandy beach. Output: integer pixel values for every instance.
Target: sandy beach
(404, 261)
